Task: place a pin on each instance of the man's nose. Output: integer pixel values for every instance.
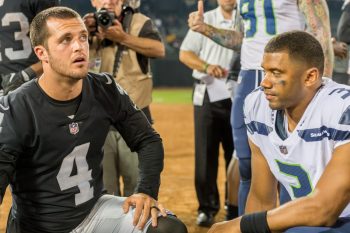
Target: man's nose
(77, 45)
(266, 82)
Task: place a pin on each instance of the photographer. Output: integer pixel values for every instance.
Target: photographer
(141, 42)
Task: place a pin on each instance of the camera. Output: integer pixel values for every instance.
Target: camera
(104, 18)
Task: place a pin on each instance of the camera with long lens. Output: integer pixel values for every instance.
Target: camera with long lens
(104, 18)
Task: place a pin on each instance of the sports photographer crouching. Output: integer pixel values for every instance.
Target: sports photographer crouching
(122, 43)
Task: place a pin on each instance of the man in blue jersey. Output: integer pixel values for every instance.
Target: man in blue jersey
(298, 126)
(262, 20)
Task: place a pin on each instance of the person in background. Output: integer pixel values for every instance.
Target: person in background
(132, 71)
(212, 106)
(18, 62)
(341, 46)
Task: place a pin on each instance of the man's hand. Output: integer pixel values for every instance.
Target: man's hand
(340, 49)
(12, 81)
(115, 32)
(196, 19)
(145, 206)
(216, 71)
(90, 23)
(232, 226)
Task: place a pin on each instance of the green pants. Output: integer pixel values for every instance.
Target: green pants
(118, 162)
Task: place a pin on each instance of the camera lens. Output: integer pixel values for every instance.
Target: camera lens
(104, 19)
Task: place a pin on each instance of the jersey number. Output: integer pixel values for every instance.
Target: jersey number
(247, 9)
(82, 177)
(303, 185)
(21, 35)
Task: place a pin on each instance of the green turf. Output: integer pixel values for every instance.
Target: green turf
(172, 96)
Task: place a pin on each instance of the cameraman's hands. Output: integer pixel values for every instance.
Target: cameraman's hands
(114, 33)
(90, 23)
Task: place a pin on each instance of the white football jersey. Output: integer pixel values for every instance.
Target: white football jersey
(299, 161)
(262, 20)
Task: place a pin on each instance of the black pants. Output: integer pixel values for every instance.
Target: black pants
(212, 127)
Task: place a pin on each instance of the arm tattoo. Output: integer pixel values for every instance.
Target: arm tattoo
(317, 21)
(227, 38)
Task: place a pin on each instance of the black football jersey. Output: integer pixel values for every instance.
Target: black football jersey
(15, 48)
(57, 176)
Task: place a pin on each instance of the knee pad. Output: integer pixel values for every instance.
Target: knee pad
(169, 224)
(245, 169)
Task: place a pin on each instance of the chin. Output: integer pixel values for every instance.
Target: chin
(79, 75)
(275, 106)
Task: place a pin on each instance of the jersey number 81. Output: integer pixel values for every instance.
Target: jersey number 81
(248, 12)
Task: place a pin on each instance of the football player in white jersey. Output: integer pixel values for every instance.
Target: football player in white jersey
(299, 133)
(263, 20)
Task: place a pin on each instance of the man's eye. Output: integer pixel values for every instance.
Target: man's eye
(83, 37)
(66, 39)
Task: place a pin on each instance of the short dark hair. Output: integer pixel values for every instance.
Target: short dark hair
(38, 28)
(301, 46)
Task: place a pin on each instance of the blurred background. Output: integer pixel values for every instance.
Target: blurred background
(170, 16)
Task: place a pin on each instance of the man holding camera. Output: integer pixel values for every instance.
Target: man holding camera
(121, 43)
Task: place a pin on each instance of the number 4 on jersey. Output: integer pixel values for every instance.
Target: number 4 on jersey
(82, 177)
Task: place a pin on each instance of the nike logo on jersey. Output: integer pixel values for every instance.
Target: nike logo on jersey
(109, 80)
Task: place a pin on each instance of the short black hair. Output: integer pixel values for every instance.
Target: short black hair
(301, 46)
(38, 28)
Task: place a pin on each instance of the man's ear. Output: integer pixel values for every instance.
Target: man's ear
(41, 53)
(312, 76)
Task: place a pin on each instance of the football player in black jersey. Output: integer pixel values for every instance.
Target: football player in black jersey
(52, 131)
(18, 62)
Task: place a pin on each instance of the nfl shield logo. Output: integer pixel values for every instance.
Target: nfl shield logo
(73, 128)
(283, 150)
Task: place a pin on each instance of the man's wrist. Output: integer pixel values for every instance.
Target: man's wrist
(255, 223)
(28, 74)
(205, 67)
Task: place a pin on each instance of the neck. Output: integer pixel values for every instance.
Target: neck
(227, 15)
(60, 88)
(294, 114)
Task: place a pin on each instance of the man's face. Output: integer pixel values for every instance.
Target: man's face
(111, 5)
(67, 48)
(227, 5)
(283, 81)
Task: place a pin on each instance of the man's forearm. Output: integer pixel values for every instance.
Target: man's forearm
(144, 46)
(191, 60)
(228, 38)
(317, 20)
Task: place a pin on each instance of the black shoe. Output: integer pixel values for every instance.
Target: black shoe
(205, 220)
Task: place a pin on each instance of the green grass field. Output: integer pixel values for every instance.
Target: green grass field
(172, 95)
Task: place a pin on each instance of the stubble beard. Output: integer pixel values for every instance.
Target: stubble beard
(60, 68)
